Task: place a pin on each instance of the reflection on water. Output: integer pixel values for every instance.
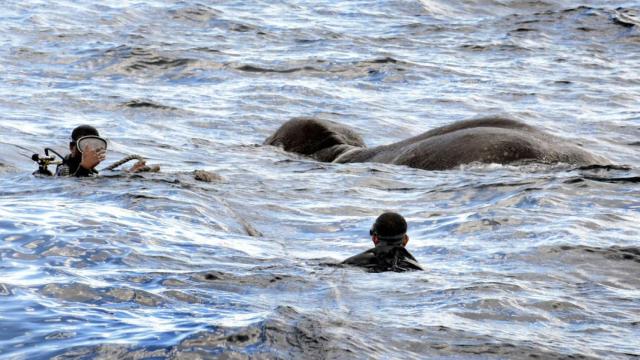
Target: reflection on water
(530, 261)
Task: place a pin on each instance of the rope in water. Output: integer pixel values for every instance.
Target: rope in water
(145, 168)
(124, 161)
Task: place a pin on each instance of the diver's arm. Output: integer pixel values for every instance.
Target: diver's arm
(90, 159)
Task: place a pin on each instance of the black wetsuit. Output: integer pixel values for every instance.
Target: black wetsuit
(71, 167)
(385, 258)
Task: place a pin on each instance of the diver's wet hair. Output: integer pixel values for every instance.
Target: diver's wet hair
(83, 130)
(390, 228)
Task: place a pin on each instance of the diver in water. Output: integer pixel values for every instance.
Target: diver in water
(88, 150)
(389, 234)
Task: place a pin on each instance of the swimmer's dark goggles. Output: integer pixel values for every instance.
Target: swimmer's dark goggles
(90, 141)
(387, 239)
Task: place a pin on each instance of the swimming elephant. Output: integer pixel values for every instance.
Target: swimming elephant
(485, 140)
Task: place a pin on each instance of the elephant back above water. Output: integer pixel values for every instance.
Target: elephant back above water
(484, 140)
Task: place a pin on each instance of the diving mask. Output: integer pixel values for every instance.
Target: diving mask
(94, 142)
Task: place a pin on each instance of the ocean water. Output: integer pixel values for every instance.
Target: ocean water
(522, 261)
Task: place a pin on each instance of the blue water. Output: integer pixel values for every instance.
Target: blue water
(521, 261)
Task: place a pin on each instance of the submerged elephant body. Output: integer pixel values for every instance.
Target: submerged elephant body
(484, 140)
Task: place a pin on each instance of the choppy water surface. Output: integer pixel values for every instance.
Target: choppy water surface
(531, 261)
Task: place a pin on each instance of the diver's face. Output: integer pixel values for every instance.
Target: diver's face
(74, 150)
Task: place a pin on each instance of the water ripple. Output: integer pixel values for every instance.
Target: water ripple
(228, 251)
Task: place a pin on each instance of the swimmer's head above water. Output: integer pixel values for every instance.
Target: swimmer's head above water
(86, 138)
(389, 234)
(389, 229)
(87, 149)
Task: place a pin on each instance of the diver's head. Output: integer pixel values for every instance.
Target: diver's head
(389, 229)
(79, 132)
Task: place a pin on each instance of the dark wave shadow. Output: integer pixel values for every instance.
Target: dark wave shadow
(288, 333)
(358, 68)
(617, 253)
(147, 104)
